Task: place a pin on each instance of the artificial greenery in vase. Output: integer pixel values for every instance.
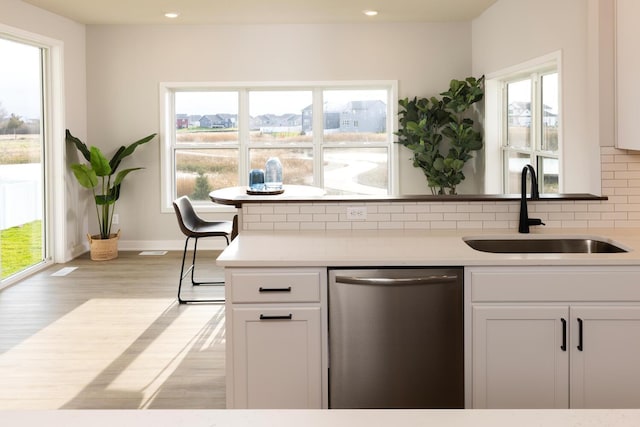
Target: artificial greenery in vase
(441, 134)
(99, 175)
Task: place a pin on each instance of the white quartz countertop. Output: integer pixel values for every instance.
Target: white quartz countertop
(317, 418)
(411, 248)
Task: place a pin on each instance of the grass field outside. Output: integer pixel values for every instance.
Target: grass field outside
(21, 247)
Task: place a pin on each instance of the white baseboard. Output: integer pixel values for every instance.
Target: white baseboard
(170, 245)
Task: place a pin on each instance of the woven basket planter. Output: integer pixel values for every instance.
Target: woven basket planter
(104, 249)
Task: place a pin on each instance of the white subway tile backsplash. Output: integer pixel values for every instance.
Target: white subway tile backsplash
(560, 216)
(314, 209)
(417, 208)
(614, 215)
(421, 225)
(443, 225)
(390, 225)
(339, 225)
(286, 209)
(286, 226)
(299, 217)
(495, 207)
(499, 225)
(627, 224)
(448, 207)
(469, 208)
(459, 216)
(469, 224)
(575, 224)
(273, 218)
(364, 226)
(430, 217)
(398, 208)
(259, 209)
(615, 183)
(601, 224)
(309, 226)
(403, 217)
(487, 216)
(326, 217)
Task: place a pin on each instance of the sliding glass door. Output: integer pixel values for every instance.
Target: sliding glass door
(22, 165)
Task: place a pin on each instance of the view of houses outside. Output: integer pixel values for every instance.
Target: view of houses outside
(21, 182)
(520, 119)
(280, 123)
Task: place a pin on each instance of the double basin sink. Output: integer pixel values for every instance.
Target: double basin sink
(563, 245)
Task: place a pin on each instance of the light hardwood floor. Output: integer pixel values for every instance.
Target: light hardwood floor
(111, 335)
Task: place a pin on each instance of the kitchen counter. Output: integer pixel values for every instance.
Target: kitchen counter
(316, 418)
(410, 248)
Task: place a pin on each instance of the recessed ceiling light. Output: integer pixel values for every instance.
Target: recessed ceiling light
(172, 15)
(370, 12)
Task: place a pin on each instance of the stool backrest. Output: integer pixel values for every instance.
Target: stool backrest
(187, 217)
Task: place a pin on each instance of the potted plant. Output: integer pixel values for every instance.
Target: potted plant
(99, 175)
(440, 133)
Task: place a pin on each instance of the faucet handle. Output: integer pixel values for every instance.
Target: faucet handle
(535, 221)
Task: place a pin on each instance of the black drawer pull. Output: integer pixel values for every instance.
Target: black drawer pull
(274, 289)
(580, 342)
(264, 317)
(563, 347)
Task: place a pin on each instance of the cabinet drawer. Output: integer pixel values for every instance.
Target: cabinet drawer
(554, 284)
(274, 286)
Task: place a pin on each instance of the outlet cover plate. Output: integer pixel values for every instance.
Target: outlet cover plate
(356, 212)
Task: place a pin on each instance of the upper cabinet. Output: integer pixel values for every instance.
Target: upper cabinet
(627, 71)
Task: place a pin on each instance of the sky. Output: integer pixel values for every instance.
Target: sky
(20, 79)
(263, 102)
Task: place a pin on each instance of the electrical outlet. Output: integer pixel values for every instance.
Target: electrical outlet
(356, 212)
(116, 219)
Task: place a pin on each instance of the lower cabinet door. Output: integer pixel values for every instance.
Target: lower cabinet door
(520, 357)
(605, 357)
(277, 358)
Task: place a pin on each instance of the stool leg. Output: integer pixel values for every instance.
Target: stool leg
(184, 255)
(193, 262)
(192, 268)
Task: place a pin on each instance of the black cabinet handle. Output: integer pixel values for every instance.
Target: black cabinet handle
(563, 347)
(580, 342)
(274, 289)
(265, 317)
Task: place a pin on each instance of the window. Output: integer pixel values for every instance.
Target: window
(523, 125)
(30, 125)
(332, 135)
(531, 123)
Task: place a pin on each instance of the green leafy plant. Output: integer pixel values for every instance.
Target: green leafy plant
(440, 133)
(99, 175)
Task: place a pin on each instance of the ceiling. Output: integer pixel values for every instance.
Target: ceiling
(262, 11)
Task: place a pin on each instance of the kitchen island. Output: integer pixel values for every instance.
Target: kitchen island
(562, 292)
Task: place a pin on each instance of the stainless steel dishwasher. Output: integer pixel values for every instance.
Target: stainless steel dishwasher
(396, 338)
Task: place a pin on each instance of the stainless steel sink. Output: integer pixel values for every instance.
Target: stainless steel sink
(565, 245)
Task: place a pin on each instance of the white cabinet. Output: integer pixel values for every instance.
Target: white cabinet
(627, 70)
(555, 337)
(605, 357)
(275, 319)
(520, 358)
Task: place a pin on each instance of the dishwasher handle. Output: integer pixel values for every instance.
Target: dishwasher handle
(387, 281)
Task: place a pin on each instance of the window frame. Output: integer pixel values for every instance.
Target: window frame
(496, 121)
(53, 150)
(244, 145)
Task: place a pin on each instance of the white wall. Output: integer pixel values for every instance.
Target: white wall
(515, 31)
(24, 17)
(125, 64)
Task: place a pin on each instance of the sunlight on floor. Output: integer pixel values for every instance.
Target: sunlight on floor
(112, 348)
